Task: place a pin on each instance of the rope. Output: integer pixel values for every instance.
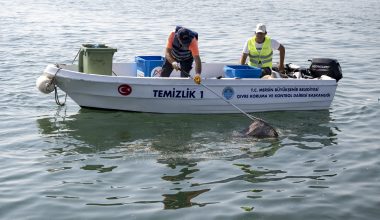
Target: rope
(55, 88)
(56, 96)
(253, 118)
(76, 56)
(246, 114)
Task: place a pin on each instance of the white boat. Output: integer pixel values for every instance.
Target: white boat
(125, 90)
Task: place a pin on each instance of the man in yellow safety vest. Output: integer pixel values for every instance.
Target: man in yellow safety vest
(259, 50)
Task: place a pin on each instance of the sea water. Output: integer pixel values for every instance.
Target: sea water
(72, 163)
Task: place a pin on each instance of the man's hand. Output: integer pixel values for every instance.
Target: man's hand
(176, 66)
(197, 78)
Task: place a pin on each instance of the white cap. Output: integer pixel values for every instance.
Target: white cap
(260, 28)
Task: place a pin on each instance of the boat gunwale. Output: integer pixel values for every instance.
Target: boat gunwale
(52, 69)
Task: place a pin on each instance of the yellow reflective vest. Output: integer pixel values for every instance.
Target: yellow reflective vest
(264, 57)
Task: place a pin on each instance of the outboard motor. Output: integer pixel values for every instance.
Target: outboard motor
(325, 66)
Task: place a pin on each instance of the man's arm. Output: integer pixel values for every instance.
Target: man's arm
(168, 55)
(169, 58)
(168, 50)
(193, 47)
(243, 58)
(198, 64)
(281, 66)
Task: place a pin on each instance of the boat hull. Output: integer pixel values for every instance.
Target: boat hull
(182, 95)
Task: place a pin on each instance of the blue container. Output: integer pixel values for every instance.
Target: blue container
(241, 71)
(148, 65)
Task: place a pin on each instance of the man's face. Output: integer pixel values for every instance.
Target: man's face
(260, 37)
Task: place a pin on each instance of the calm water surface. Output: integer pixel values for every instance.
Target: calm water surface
(72, 163)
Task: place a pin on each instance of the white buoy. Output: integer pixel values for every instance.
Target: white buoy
(45, 84)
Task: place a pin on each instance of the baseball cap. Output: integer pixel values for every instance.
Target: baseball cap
(260, 28)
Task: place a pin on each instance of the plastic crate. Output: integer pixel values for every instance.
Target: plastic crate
(241, 71)
(148, 66)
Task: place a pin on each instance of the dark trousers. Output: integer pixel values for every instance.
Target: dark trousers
(186, 66)
(266, 71)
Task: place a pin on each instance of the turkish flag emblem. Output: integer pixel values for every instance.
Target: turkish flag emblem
(125, 89)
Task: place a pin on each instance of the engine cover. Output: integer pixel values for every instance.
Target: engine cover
(326, 66)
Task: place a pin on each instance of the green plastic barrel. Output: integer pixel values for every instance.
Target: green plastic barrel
(96, 59)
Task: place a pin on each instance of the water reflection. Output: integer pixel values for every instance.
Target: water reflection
(97, 130)
(307, 129)
(183, 175)
(99, 168)
(183, 199)
(180, 142)
(254, 176)
(168, 135)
